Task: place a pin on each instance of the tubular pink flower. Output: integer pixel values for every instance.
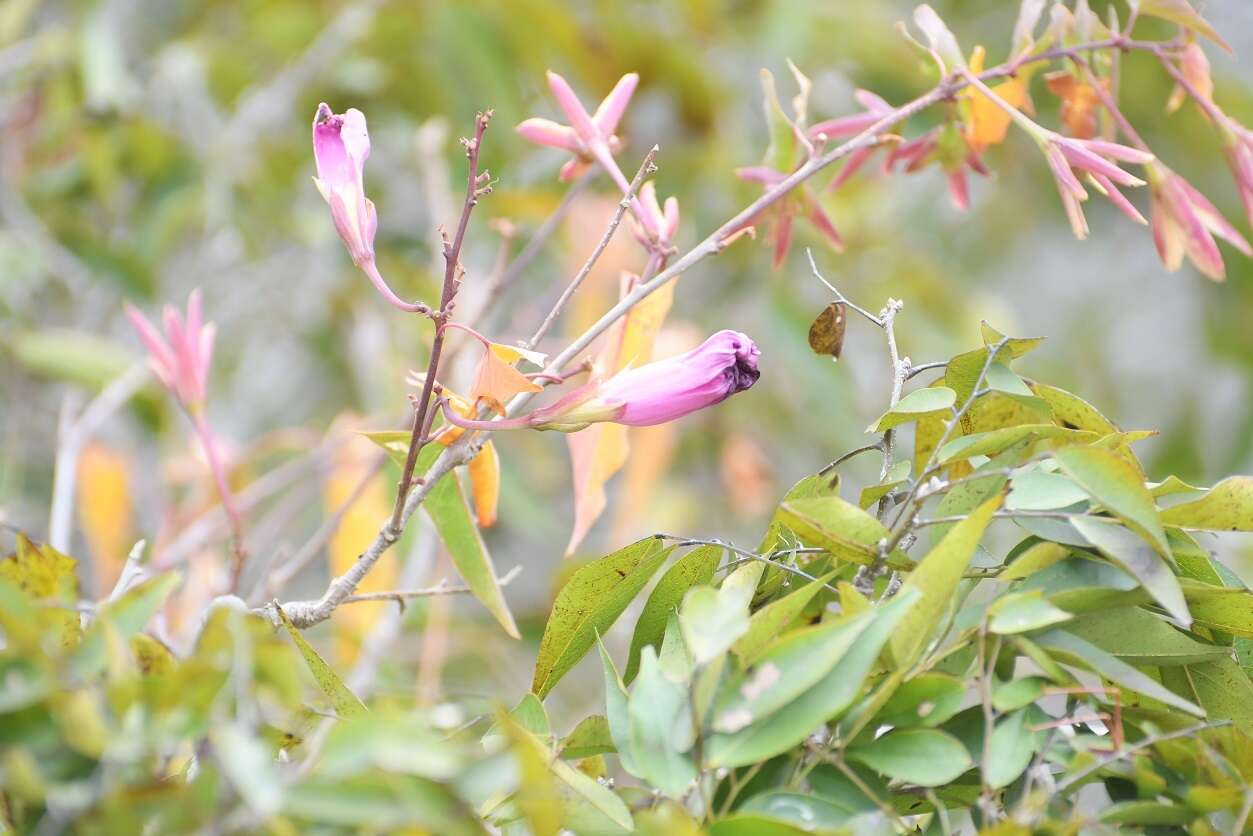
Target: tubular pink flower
(181, 358)
(1066, 155)
(665, 220)
(1185, 224)
(341, 145)
(654, 393)
(590, 137)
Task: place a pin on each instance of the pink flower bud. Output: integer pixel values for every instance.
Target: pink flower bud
(181, 358)
(663, 390)
(1185, 223)
(341, 145)
(664, 220)
(589, 136)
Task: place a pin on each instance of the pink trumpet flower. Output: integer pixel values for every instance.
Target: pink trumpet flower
(653, 393)
(1185, 223)
(341, 145)
(1098, 160)
(180, 362)
(590, 137)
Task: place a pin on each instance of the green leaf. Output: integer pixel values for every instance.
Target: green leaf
(1182, 13)
(1018, 693)
(125, 616)
(713, 619)
(943, 45)
(841, 528)
(1012, 746)
(806, 812)
(936, 578)
(1147, 814)
(788, 668)
(447, 508)
(599, 800)
(1039, 490)
(765, 625)
(1073, 650)
(1131, 553)
(589, 738)
(1114, 482)
(1137, 636)
(616, 700)
(696, 568)
(249, 765)
(926, 700)
(823, 702)
(1016, 346)
(1022, 612)
(925, 757)
(920, 403)
(1224, 690)
(661, 731)
(897, 475)
(343, 701)
(1000, 379)
(994, 441)
(1228, 506)
(781, 153)
(589, 604)
(1072, 411)
(1229, 610)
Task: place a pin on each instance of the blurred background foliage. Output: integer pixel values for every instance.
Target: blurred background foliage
(152, 147)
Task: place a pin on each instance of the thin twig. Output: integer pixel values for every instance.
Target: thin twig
(403, 595)
(878, 445)
(646, 168)
(452, 264)
(77, 433)
(839, 297)
(500, 282)
(1151, 740)
(1007, 515)
(914, 371)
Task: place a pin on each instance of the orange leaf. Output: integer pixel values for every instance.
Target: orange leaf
(485, 484)
(105, 511)
(497, 382)
(1080, 103)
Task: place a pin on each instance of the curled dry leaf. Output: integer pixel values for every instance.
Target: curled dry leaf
(826, 335)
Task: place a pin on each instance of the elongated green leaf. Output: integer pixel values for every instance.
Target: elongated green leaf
(926, 757)
(1222, 608)
(1016, 346)
(696, 568)
(1071, 649)
(960, 500)
(249, 766)
(343, 701)
(616, 715)
(1141, 638)
(786, 670)
(994, 441)
(589, 603)
(1038, 490)
(1114, 482)
(1021, 612)
(1001, 379)
(1228, 506)
(920, 403)
(936, 578)
(765, 625)
(840, 527)
(1136, 556)
(447, 508)
(660, 718)
(927, 699)
(825, 701)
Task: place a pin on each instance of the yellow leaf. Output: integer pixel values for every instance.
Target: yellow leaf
(513, 353)
(358, 526)
(40, 571)
(105, 512)
(485, 484)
